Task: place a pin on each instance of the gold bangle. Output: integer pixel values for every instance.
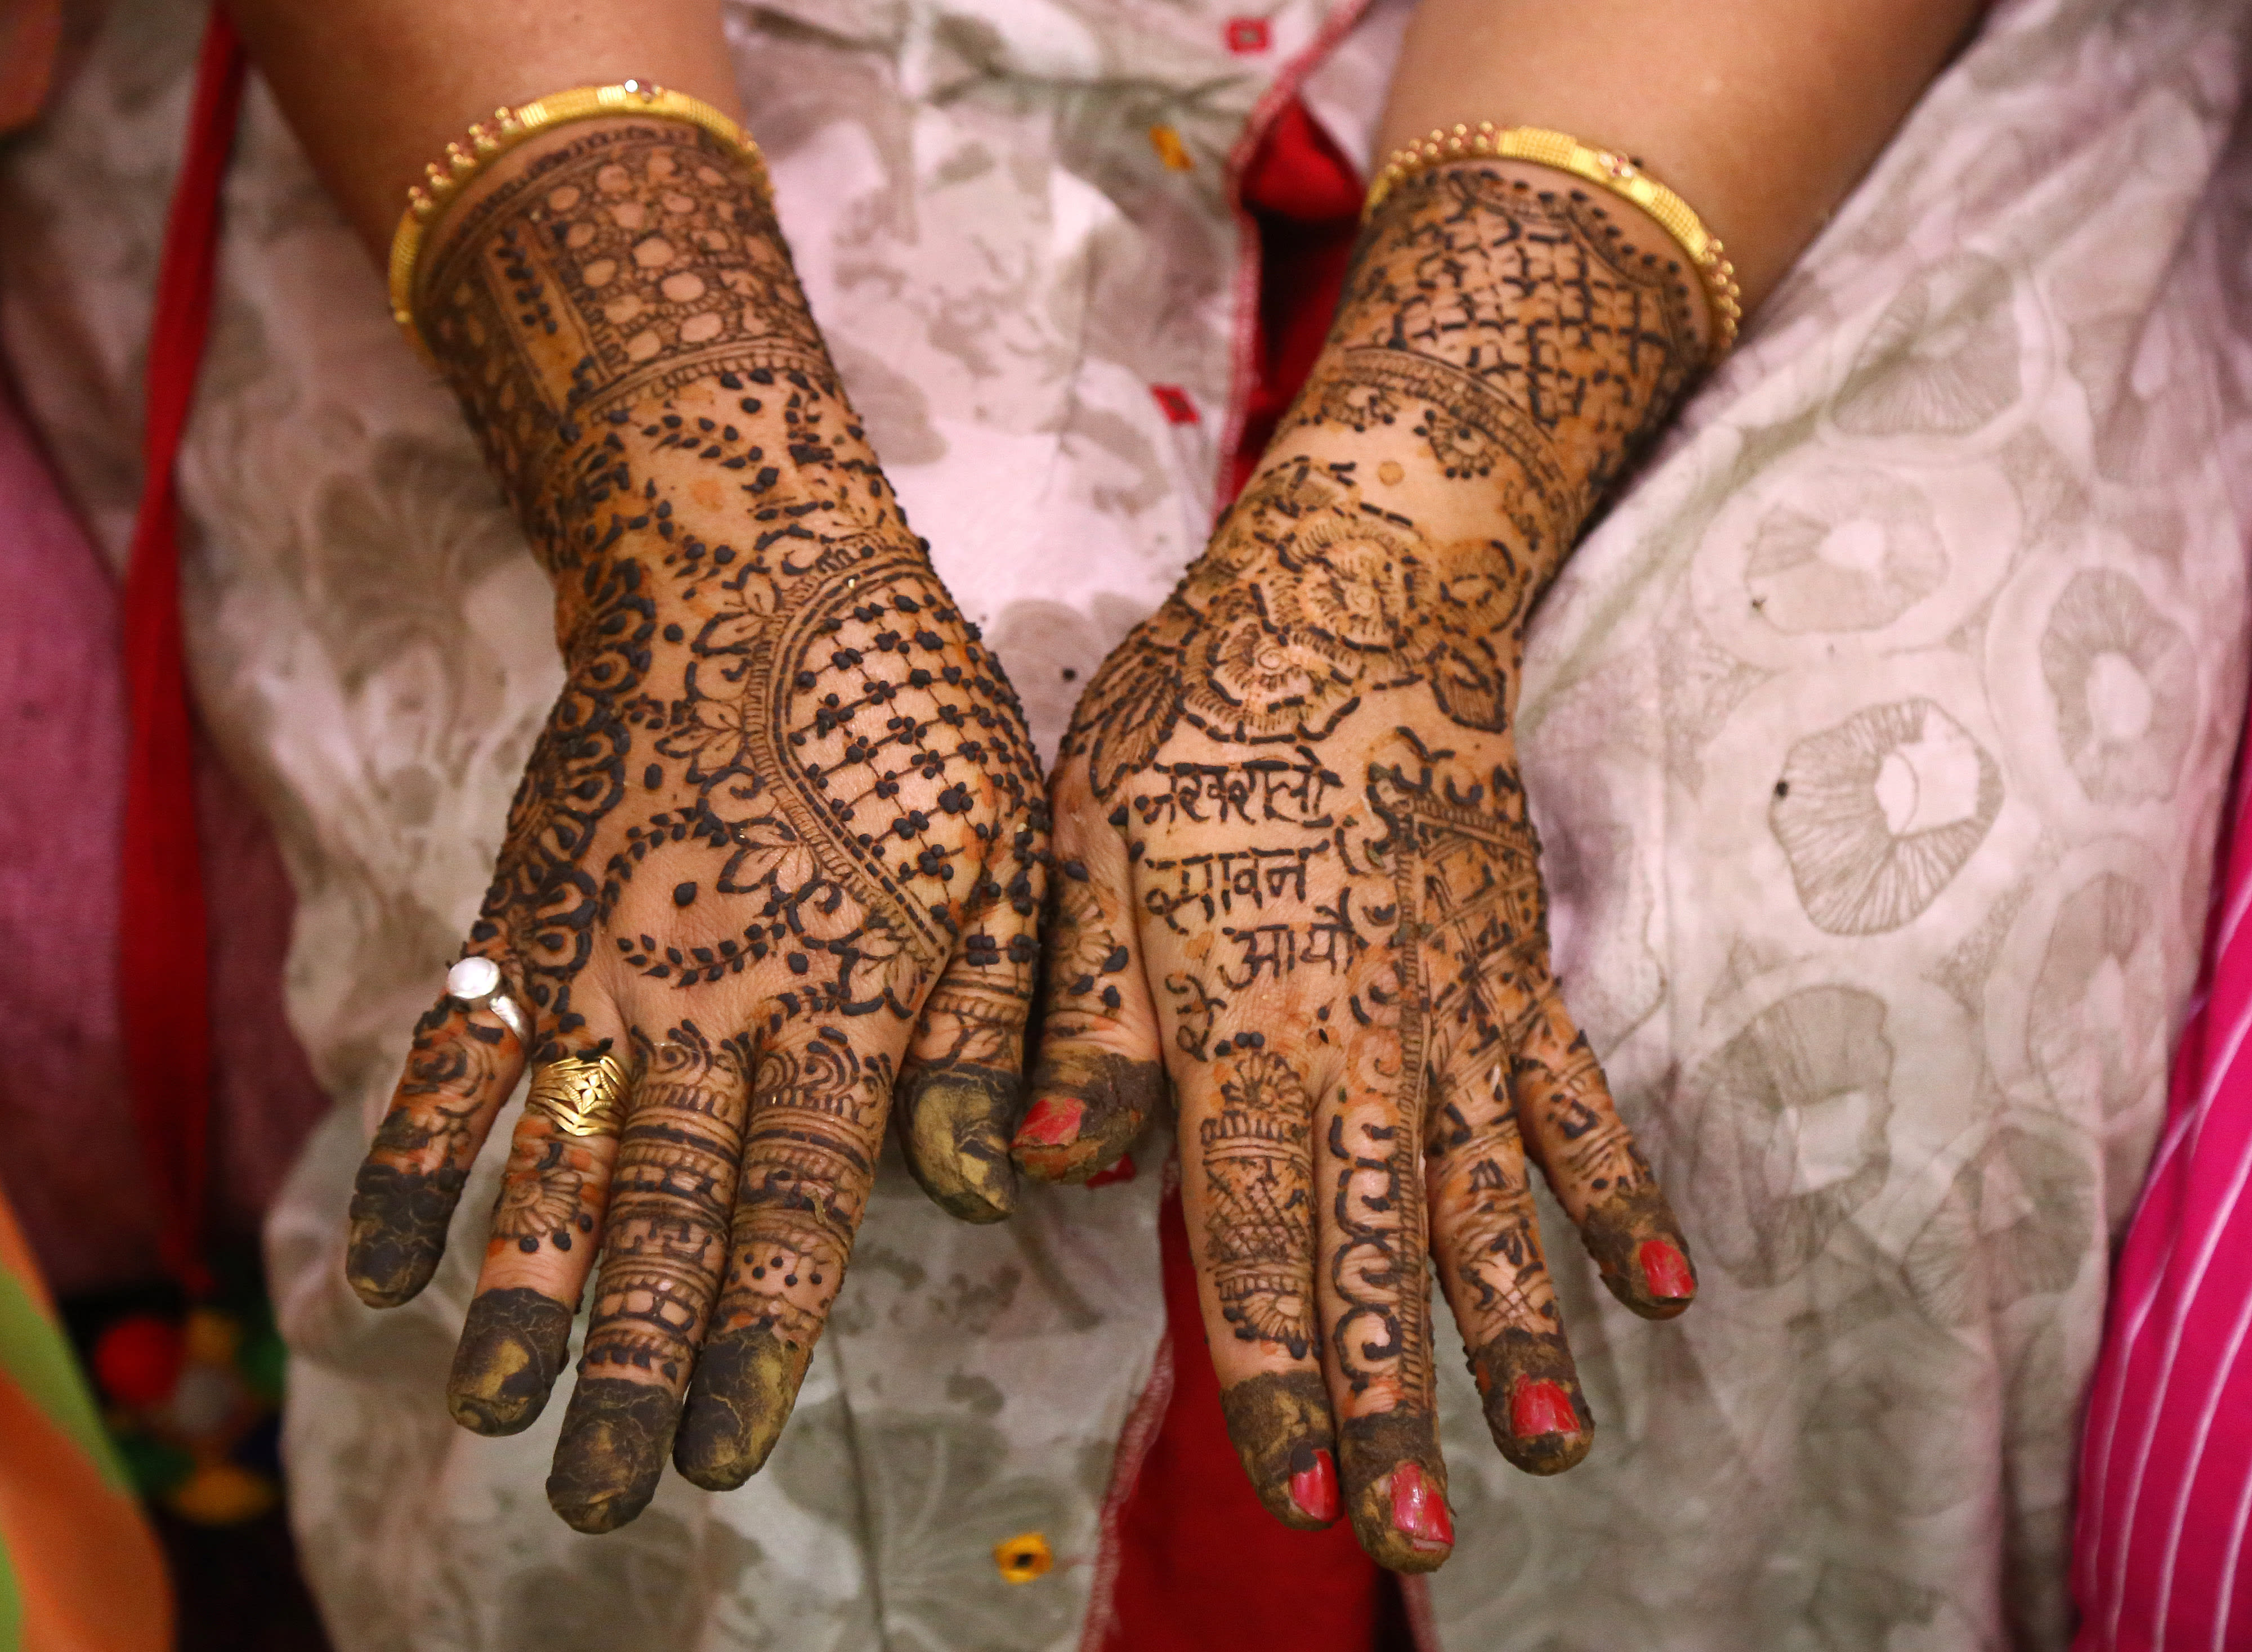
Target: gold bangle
(1606, 169)
(488, 140)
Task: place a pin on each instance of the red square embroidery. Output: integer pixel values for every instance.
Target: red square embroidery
(1175, 403)
(1247, 34)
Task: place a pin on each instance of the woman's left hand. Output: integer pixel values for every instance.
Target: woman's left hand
(1297, 883)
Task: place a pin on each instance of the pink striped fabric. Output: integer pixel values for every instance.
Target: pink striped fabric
(2166, 1467)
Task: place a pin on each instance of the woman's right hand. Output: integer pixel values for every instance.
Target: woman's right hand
(778, 854)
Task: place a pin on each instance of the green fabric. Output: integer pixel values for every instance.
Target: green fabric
(12, 1604)
(33, 1354)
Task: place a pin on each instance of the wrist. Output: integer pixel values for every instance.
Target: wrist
(598, 280)
(1510, 342)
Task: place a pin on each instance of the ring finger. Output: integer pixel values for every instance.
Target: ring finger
(546, 1228)
(1487, 1242)
(663, 1249)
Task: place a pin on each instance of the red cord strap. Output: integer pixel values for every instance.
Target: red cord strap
(163, 978)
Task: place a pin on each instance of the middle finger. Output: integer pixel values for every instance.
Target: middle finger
(1375, 1288)
(808, 1162)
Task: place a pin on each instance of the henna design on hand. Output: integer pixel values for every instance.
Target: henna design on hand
(458, 1073)
(1297, 785)
(1258, 1158)
(808, 1162)
(785, 807)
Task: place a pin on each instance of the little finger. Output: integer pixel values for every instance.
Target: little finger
(466, 1058)
(809, 1161)
(1573, 1131)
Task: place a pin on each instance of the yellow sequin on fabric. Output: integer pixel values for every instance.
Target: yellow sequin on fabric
(1170, 148)
(1024, 1557)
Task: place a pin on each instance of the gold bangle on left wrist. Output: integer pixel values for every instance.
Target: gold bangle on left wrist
(489, 139)
(1607, 169)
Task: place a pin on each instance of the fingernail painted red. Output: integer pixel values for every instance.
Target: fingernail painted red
(1315, 1489)
(1666, 1269)
(1542, 1407)
(1418, 1507)
(1053, 1122)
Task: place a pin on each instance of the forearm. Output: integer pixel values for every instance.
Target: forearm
(1762, 113)
(377, 88)
(613, 304)
(1507, 342)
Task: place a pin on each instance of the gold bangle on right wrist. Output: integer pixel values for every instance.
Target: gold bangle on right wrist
(1607, 169)
(489, 139)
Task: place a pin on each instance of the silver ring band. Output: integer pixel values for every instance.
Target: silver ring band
(474, 983)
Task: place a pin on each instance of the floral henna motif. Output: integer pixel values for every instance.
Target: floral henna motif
(785, 801)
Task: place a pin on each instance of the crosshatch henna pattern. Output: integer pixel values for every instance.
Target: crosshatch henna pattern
(1301, 882)
(781, 848)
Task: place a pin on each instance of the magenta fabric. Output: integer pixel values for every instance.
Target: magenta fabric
(2166, 1472)
(67, 1152)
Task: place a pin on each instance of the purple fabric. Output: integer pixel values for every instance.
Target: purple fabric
(68, 1154)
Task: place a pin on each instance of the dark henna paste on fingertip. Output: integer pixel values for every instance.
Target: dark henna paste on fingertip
(954, 1134)
(617, 1435)
(1534, 1407)
(404, 1196)
(399, 1221)
(514, 1344)
(1405, 1526)
(746, 1384)
(1279, 1424)
(1087, 1109)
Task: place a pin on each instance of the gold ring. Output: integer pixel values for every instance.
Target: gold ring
(579, 1094)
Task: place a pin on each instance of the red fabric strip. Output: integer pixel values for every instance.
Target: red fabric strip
(163, 978)
(1198, 1557)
